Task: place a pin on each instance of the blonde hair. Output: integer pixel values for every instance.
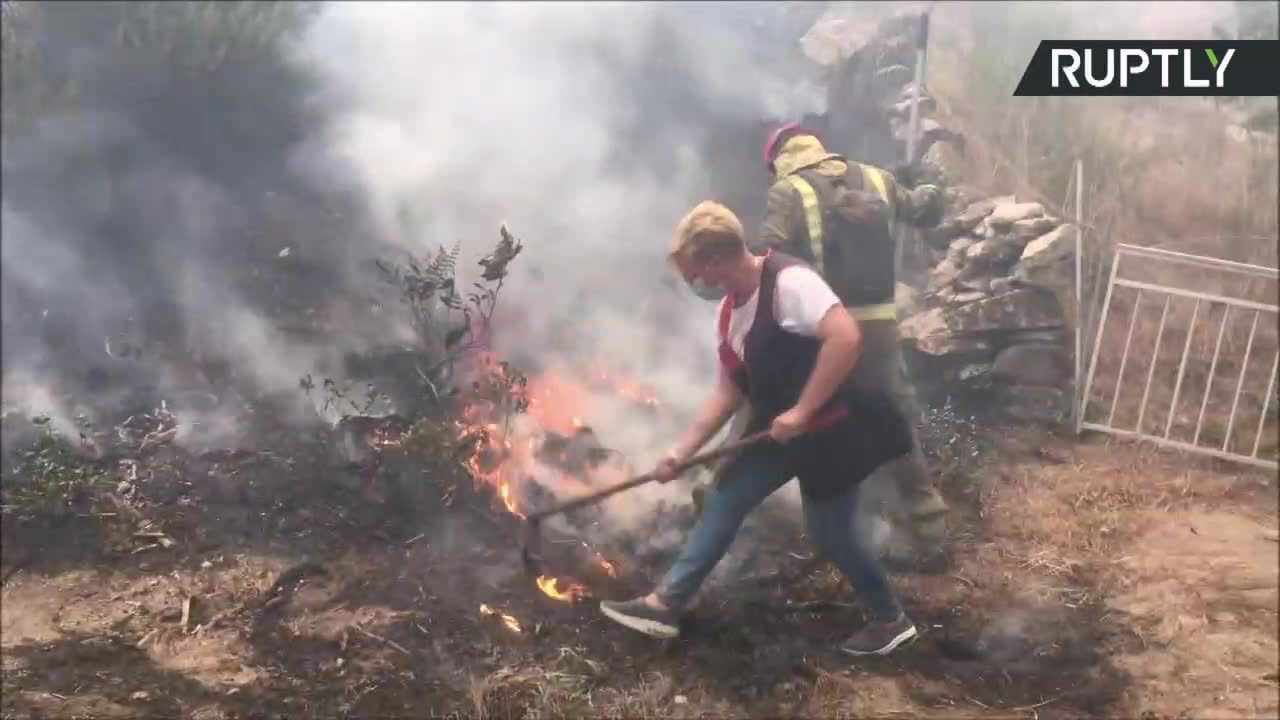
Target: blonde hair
(709, 228)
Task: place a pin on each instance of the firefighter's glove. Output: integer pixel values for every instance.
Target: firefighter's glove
(926, 204)
(906, 174)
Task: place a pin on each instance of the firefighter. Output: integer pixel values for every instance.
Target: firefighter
(839, 216)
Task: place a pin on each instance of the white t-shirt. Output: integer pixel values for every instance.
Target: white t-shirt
(800, 301)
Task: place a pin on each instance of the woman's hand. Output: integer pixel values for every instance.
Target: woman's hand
(790, 424)
(667, 466)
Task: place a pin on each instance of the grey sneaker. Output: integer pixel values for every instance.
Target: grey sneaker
(641, 617)
(926, 520)
(699, 495)
(929, 506)
(880, 638)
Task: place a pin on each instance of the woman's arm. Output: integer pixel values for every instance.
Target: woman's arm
(841, 345)
(716, 411)
(807, 305)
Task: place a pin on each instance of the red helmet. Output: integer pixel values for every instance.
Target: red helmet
(778, 137)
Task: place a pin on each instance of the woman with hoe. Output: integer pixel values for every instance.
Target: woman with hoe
(787, 346)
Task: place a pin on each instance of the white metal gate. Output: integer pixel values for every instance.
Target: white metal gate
(1234, 430)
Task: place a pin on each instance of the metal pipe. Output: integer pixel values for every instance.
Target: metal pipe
(1151, 371)
(913, 125)
(1213, 366)
(1244, 368)
(913, 128)
(1182, 369)
(1096, 290)
(1266, 405)
(1097, 340)
(1077, 416)
(1124, 357)
(1201, 261)
(1259, 462)
(1247, 304)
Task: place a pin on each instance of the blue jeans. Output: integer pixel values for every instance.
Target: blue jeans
(830, 524)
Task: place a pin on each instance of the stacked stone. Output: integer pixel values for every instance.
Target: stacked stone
(992, 316)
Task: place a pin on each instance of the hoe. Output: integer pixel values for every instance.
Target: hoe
(531, 539)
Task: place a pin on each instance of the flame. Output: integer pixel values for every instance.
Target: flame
(502, 456)
(507, 620)
(550, 586)
(555, 403)
(624, 386)
(504, 491)
(497, 450)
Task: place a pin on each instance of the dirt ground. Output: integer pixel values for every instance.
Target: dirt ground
(1085, 579)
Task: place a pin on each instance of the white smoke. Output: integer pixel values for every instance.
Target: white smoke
(560, 120)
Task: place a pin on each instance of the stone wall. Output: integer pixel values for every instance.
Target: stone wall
(994, 316)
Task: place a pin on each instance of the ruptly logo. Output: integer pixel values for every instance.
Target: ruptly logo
(1128, 67)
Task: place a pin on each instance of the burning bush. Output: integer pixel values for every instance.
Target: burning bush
(523, 440)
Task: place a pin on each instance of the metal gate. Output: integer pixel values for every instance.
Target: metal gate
(1223, 414)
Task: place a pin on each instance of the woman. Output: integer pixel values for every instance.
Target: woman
(788, 346)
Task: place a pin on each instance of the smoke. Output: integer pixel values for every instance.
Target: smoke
(583, 127)
(116, 282)
(190, 231)
(145, 207)
(144, 226)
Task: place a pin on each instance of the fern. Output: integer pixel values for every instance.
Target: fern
(420, 279)
(443, 265)
(441, 273)
(429, 282)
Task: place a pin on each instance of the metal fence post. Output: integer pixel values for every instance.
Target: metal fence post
(1077, 415)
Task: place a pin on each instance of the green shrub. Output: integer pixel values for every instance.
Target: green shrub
(204, 81)
(49, 477)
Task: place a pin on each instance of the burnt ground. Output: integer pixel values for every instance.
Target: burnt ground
(252, 584)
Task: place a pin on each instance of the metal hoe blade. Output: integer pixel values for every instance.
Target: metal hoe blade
(531, 547)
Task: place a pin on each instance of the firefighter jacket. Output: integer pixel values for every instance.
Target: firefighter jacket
(840, 216)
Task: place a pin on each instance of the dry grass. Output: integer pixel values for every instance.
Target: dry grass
(1074, 510)
(1185, 554)
(1158, 171)
(1168, 177)
(852, 694)
(1085, 557)
(571, 685)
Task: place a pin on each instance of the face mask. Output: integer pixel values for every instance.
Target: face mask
(705, 291)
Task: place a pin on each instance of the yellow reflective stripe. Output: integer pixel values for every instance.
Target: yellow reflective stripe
(883, 311)
(812, 217)
(876, 178)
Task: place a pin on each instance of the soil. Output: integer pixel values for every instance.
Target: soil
(1083, 579)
